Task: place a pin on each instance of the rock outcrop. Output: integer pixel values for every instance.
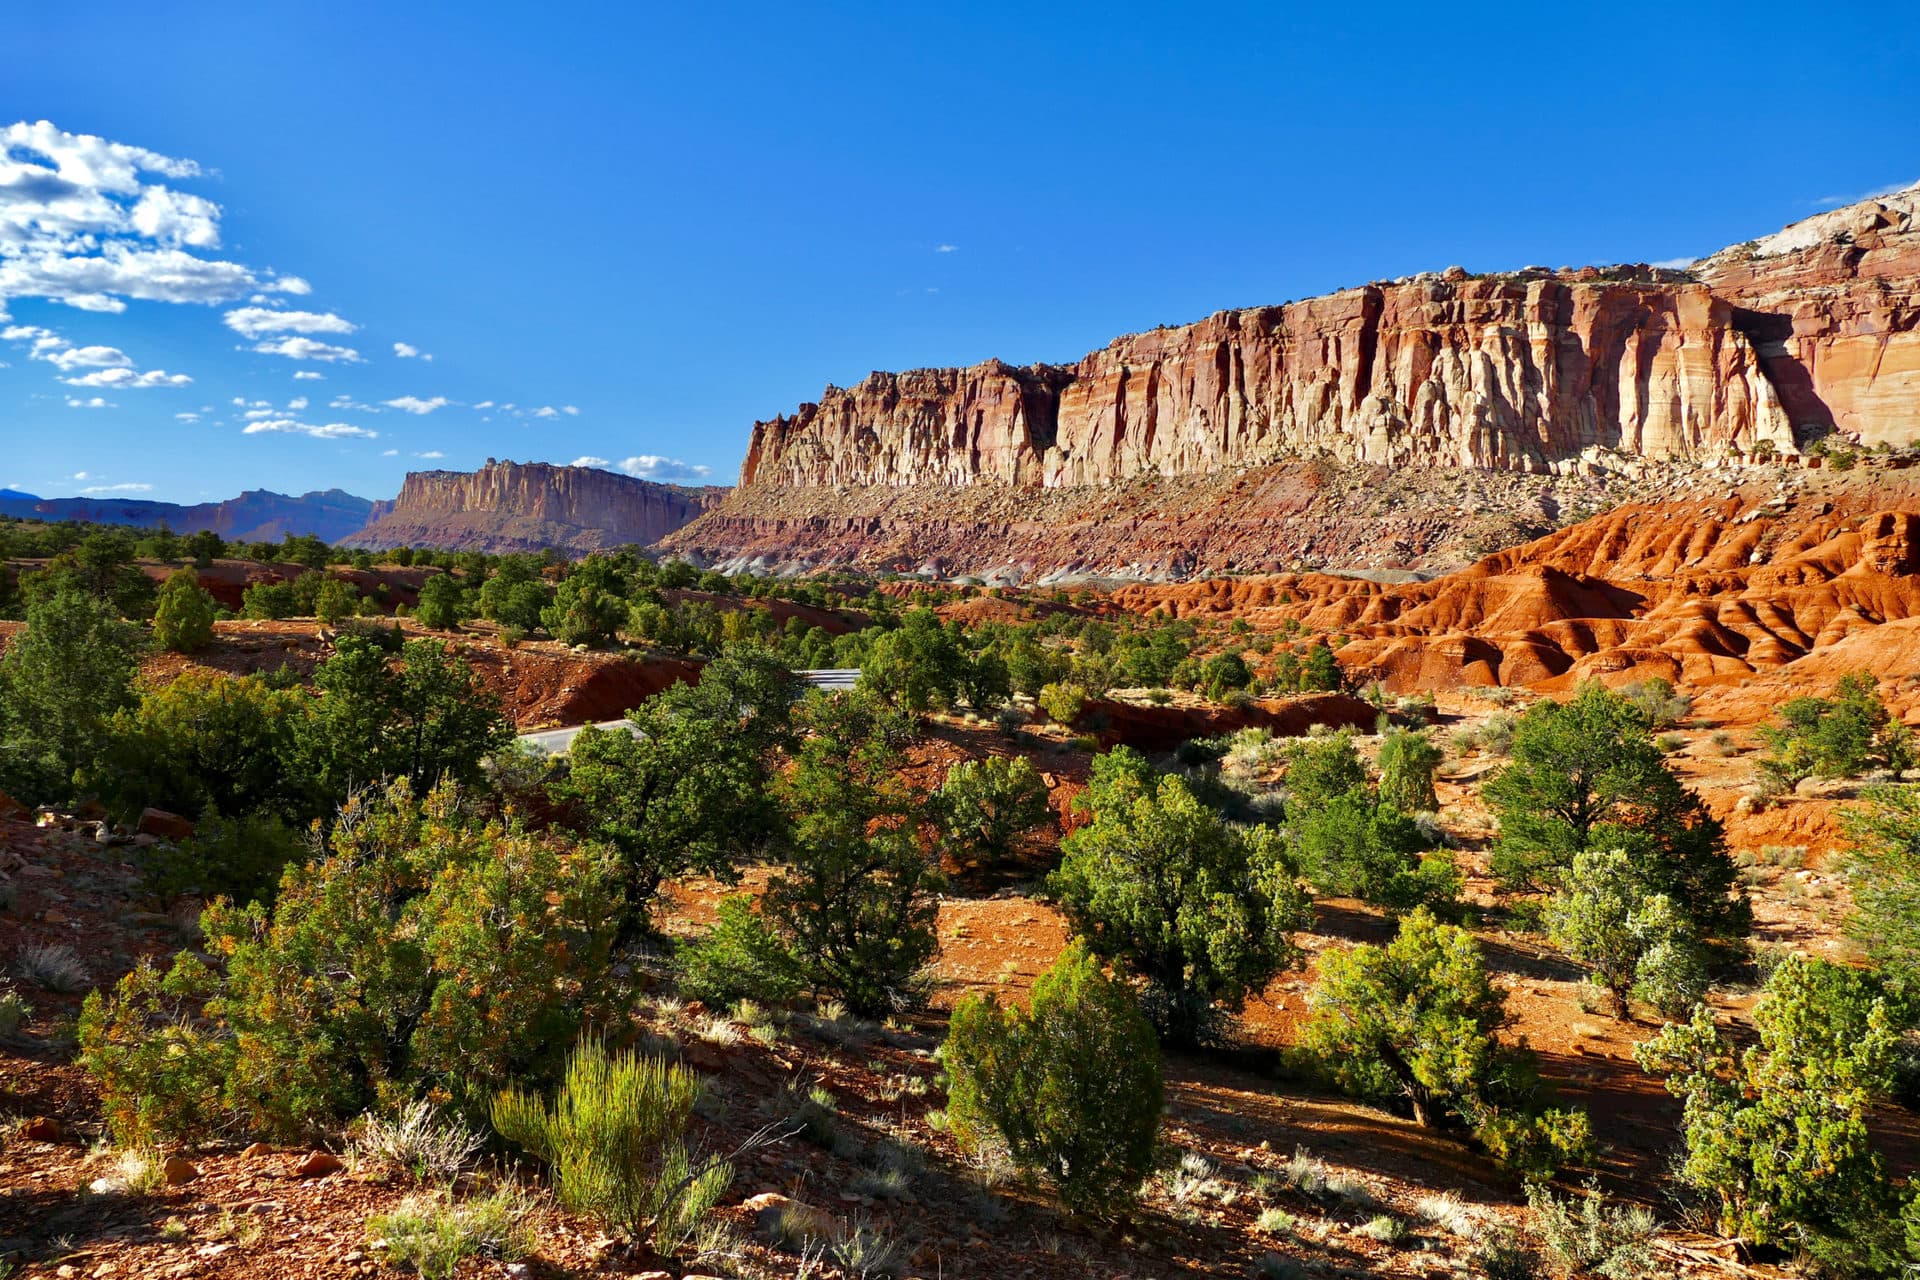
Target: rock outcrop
(257, 515)
(529, 506)
(1759, 351)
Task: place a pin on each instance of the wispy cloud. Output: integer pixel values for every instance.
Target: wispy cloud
(92, 402)
(309, 375)
(590, 461)
(257, 322)
(308, 349)
(407, 351)
(1829, 202)
(128, 380)
(287, 426)
(946, 248)
(128, 487)
(415, 405)
(654, 466)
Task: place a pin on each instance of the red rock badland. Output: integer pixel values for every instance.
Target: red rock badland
(1380, 426)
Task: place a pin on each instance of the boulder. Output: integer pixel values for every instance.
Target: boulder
(163, 825)
(319, 1164)
(42, 1129)
(178, 1171)
(781, 1219)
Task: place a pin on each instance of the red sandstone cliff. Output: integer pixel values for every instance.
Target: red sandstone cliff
(527, 506)
(1760, 349)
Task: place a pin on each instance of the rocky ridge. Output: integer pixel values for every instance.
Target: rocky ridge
(1642, 374)
(257, 515)
(529, 506)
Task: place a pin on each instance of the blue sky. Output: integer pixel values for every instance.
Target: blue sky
(643, 227)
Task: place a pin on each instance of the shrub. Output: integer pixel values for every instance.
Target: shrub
(1407, 762)
(1885, 835)
(418, 1139)
(1589, 1237)
(240, 858)
(14, 1010)
(60, 684)
(1353, 846)
(1632, 939)
(690, 792)
(1201, 910)
(268, 600)
(1318, 769)
(738, 958)
(1072, 1086)
(429, 719)
(1586, 775)
(1417, 1021)
(183, 614)
(855, 903)
(1838, 737)
(614, 1142)
(1657, 702)
(443, 603)
(52, 966)
(1776, 1134)
(160, 1066)
(433, 1233)
(985, 806)
(1063, 703)
(588, 606)
(206, 739)
(427, 952)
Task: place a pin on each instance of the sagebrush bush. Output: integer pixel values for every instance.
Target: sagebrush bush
(53, 967)
(1586, 1236)
(1071, 1085)
(434, 1233)
(614, 1142)
(418, 1139)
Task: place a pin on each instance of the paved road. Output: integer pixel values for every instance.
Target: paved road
(557, 742)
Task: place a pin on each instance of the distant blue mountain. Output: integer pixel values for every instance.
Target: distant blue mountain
(257, 515)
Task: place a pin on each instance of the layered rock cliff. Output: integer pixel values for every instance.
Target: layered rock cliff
(257, 515)
(529, 506)
(1760, 351)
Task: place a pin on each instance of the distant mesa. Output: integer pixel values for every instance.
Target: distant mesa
(529, 506)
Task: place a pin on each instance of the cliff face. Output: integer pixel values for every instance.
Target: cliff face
(509, 506)
(1517, 372)
(1763, 348)
(257, 515)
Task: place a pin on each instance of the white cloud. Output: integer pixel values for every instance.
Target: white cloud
(91, 222)
(255, 415)
(431, 453)
(545, 411)
(255, 322)
(572, 411)
(309, 375)
(82, 475)
(287, 426)
(590, 461)
(289, 284)
(186, 417)
(127, 379)
(1674, 264)
(118, 488)
(484, 404)
(307, 349)
(407, 351)
(415, 405)
(344, 401)
(94, 402)
(946, 248)
(88, 358)
(653, 466)
(297, 403)
(1875, 194)
(389, 453)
